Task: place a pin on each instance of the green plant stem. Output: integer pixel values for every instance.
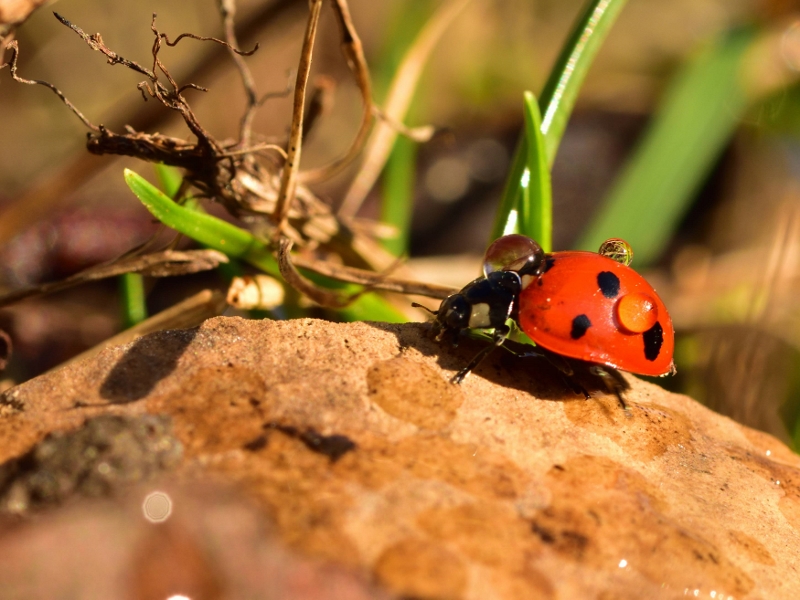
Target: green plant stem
(134, 307)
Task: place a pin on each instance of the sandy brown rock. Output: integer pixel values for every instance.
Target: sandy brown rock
(353, 443)
(213, 545)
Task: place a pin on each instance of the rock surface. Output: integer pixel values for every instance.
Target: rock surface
(353, 445)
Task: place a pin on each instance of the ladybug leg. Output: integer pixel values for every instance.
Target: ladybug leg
(567, 374)
(500, 336)
(564, 370)
(615, 384)
(573, 383)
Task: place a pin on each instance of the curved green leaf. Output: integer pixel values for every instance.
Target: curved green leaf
(204, 228)
(239, 243)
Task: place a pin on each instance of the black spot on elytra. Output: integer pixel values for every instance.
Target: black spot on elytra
(609, 284)
(549, 263)
(579, 326)
(653, 338)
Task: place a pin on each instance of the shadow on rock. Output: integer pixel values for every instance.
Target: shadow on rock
(542, 375)
(150, 359)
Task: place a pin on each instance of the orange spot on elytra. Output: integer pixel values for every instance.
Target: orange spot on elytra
(637, 312)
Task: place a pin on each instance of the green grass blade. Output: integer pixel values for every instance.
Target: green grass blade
(239, 243)
(132, 297)
(131, 285)
(506, 217)
(566, 78)
(536, 204)
(171, 180)
(399, 175)
(201, 227)
(698, 117)
(558, 97)
(398, 194)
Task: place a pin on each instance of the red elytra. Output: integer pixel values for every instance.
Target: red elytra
(587, 306)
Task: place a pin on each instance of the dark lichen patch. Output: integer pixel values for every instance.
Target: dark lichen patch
(562, 540)
(10, 403)
(106, 452)
(333, 446)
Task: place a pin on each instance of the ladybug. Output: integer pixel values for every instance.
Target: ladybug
(582, 305)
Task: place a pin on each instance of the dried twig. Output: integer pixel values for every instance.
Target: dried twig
(171, 99)
(420, 134)
(208, 167)
(398, 100)
(289, 173)
(223, 172)
(253, 150)
(227, 9)
(50, 188)
(95, 42)
(354, 53)
(12, 64)
(372, 280)
(203, 38)
(160, 264)
(322, 296)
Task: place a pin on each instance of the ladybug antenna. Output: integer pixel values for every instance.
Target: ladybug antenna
(433, 312)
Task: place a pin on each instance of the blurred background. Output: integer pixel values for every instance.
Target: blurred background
(684, 142)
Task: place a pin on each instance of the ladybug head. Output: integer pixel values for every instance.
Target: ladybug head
(453, 315)
(485, 303)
